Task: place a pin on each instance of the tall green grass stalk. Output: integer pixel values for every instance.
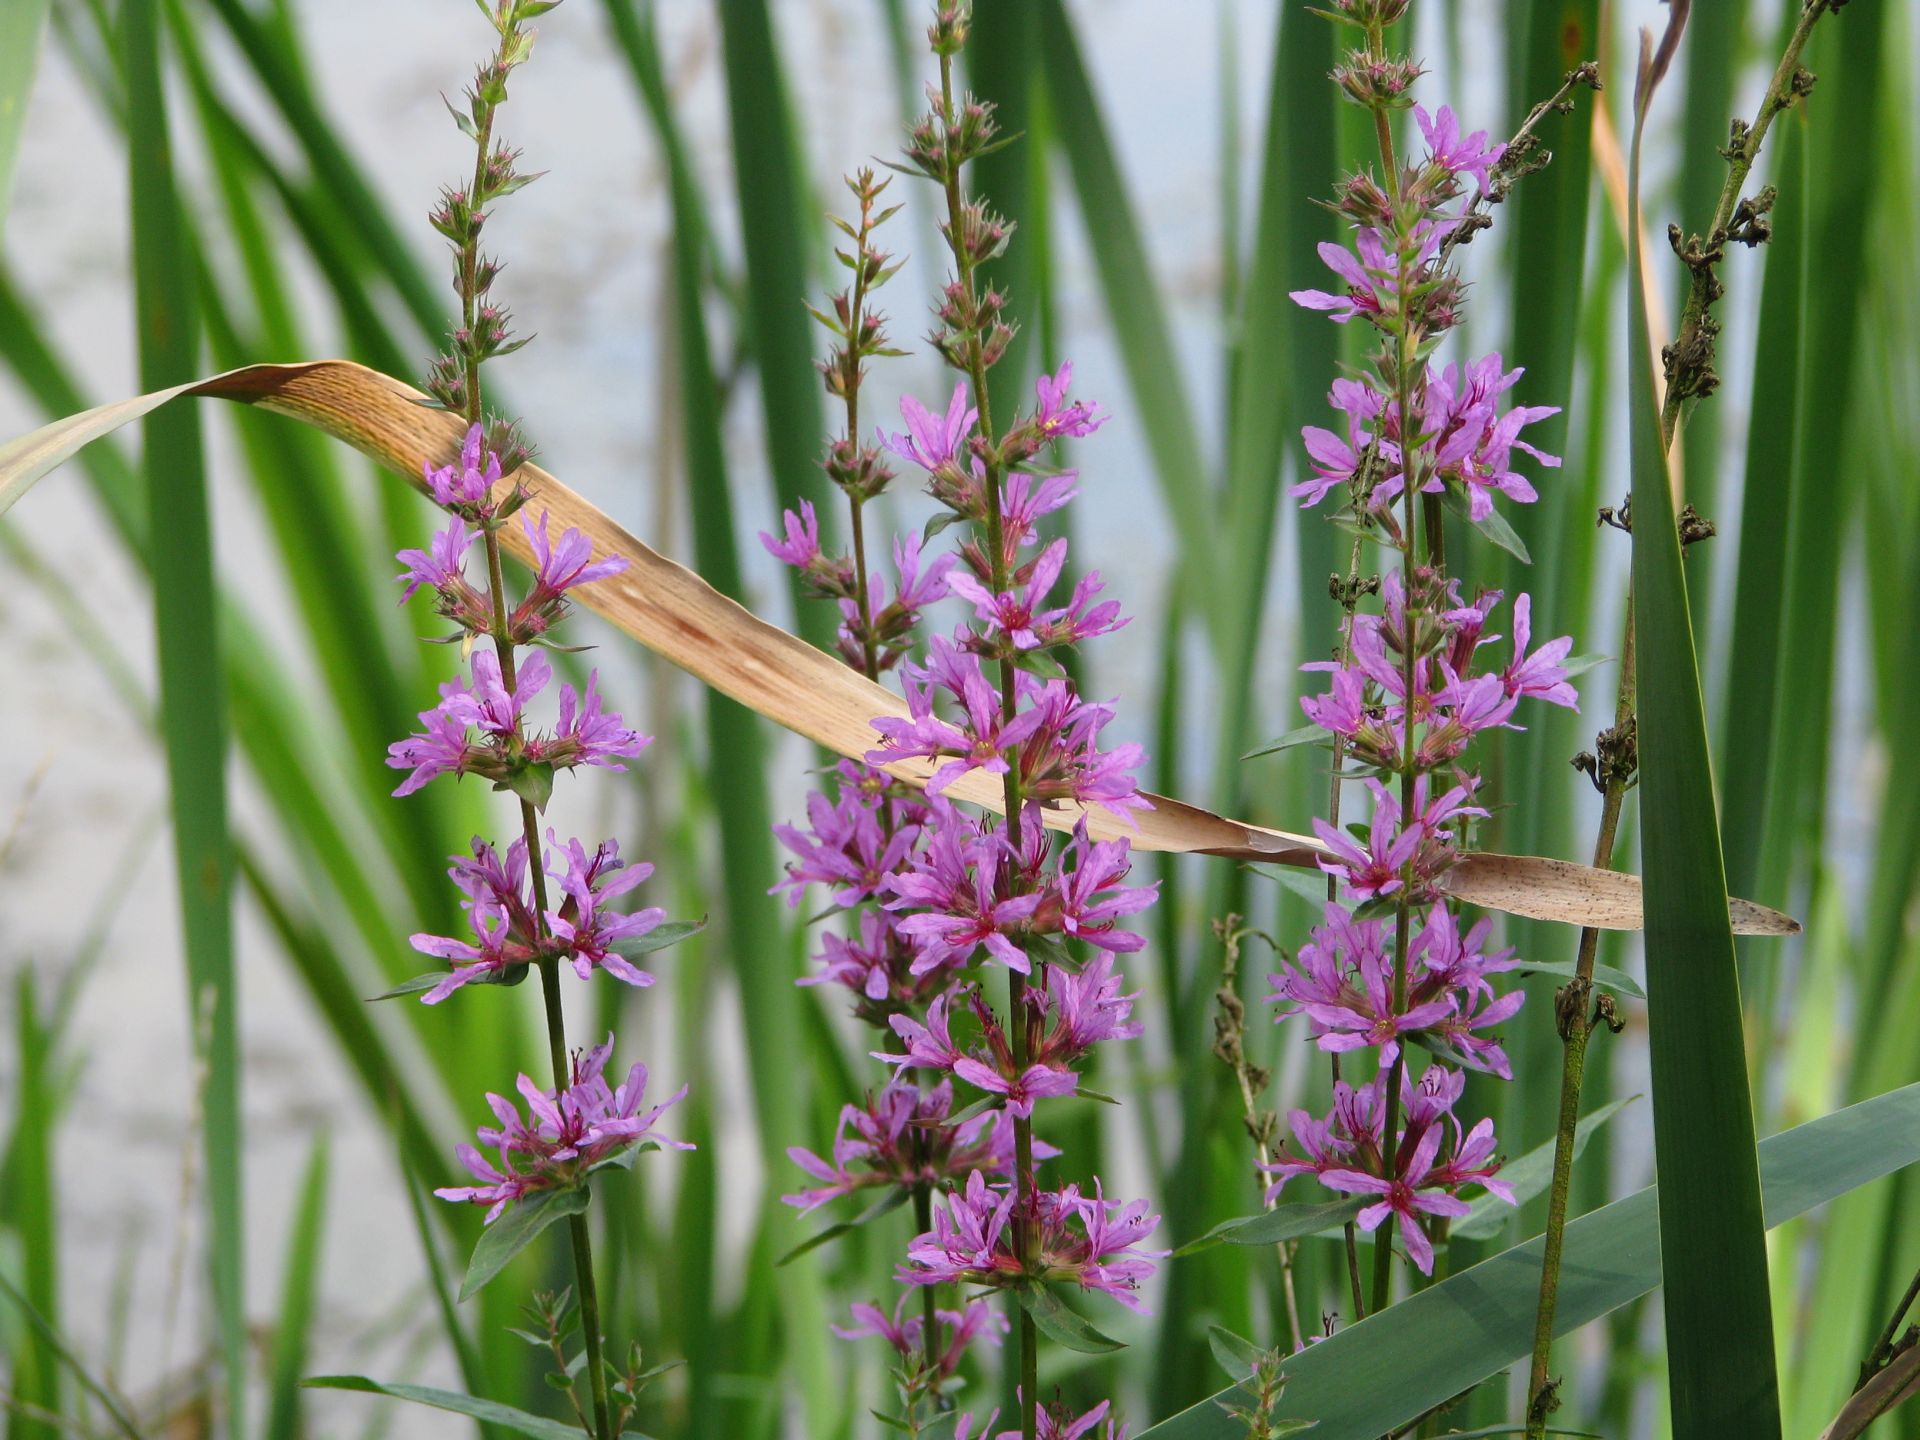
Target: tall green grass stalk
(192, 688)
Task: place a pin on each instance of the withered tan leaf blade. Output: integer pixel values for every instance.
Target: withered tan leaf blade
(669, 609)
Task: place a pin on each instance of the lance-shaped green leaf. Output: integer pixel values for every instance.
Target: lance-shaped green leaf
(1064, 1325)
(192, 687)
(518, 1228)
(1719, 1336)
(893, 1199)
(490, 1412)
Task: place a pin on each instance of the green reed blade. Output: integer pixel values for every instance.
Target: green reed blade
(1842, 191)
(761, 952)
(22, 24)
(1720, 1360)
(192, 691)
(1772, 481)
(48, 1336)
(1140, 323)
(1714, 33)
(281, 77)
(1002, 55)
(28, 1208)
(1895, 864)
(1544, 226)
(774, 196)
(1269, 395)
(1393, 1367)
(324, 554)
(1273, 390)
(297, 1299)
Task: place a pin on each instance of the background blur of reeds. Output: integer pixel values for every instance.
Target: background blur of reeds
(1164, 189)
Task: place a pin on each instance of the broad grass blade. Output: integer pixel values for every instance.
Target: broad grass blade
(774, 197)
(1720, 1360)
(1754, 656)
(763, 955)
(22, 23)
(1139, 321)
(297, 1299)
(1471, 1326)
(28, 1207)
(192, 689)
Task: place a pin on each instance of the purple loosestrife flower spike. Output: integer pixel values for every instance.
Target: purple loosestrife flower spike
(1541, 674)
(588, 733)
(957, 1330)
(1059, 1423)
(904, 1137)
(1462, 155)
(439, 748)
(589, 931)
(1406, 1198)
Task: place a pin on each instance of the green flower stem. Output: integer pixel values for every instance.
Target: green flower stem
(1019, 1018)
(1404, 361)
(1740, 160)
(1349, 598)
(1576, 1022)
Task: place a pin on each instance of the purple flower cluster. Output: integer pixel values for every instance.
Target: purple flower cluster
(509, 930)
(477, 728)
(564, 1134)
(1346, 1151)
(1087, 1240)
(937, 896)
(1412, 687)
(904, 1137)
(1056, 1422)
(521, 909)
(938, 890)
(957, 1329)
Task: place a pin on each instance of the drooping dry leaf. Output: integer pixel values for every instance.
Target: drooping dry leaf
(669, 609)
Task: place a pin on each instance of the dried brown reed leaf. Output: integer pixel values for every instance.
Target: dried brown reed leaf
(672, 611)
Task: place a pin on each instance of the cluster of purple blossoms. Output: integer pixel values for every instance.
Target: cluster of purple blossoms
(1412, 687)
(956, 1330)
(509, 930)
(936, 897)
(1427, 635)
(905, 1137)
(564, 1134)
(553, 908)
(1056, 1422)
(1086, 1240)
(1347, 1152)
(1342, 981)
(937, 890)
(1397, 277)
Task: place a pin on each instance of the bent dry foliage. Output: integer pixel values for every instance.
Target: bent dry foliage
(672, 611)
(1447, 1339)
